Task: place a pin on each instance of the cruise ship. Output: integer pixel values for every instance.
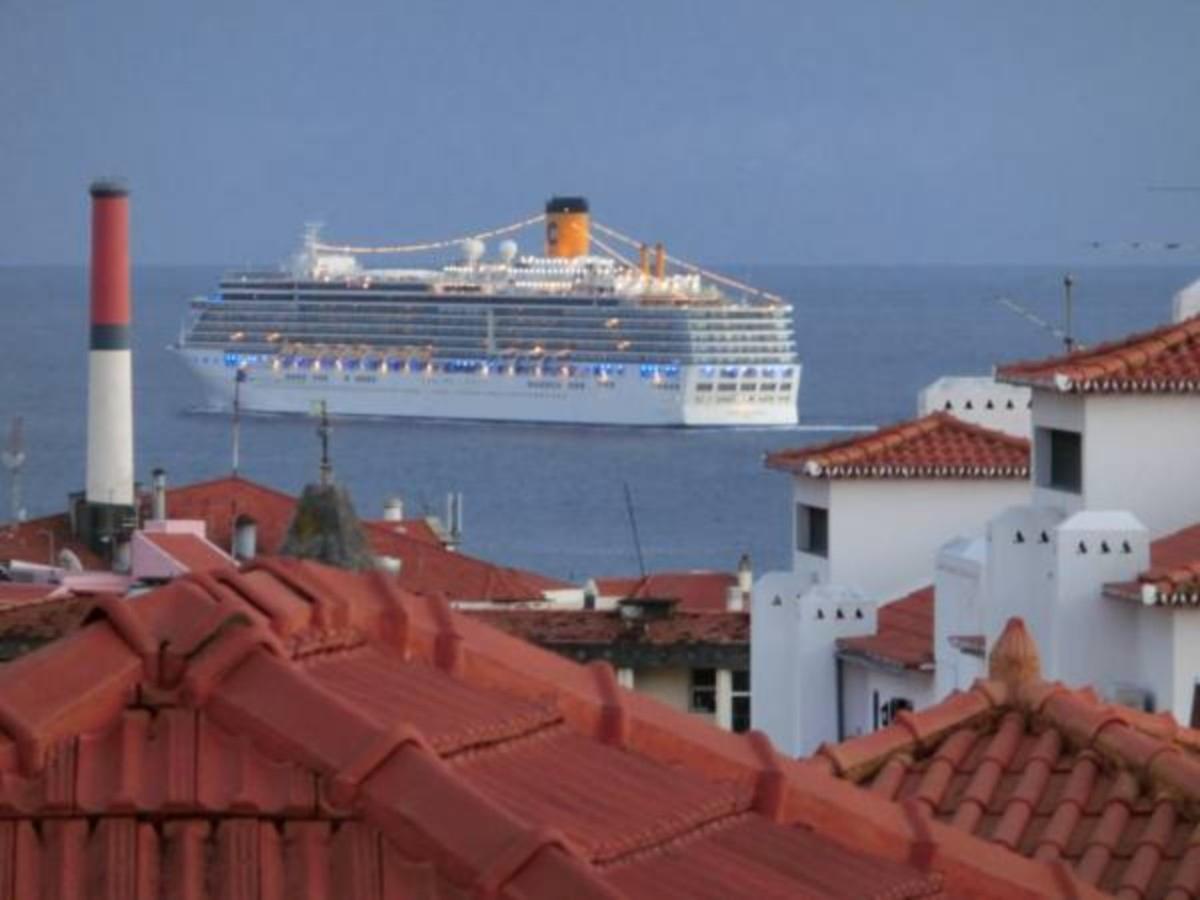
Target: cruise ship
(571, 336)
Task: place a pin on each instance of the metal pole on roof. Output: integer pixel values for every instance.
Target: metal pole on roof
(1068, 283)
(637, 541)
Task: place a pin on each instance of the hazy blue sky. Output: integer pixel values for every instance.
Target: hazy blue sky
(776, 131)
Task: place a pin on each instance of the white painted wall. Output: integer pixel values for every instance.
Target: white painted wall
(1064, 412)
(1138, 454)
(1186, 303)
(884, 533)
(1168, 650)
(793, 668)
(959, 602)
(1053, 578)
(861, 682)
(979, 400)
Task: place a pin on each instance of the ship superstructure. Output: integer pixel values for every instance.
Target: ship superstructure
(570, 336)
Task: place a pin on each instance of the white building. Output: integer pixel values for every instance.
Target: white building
(870, 516)
(979, 400)
(1097, 563)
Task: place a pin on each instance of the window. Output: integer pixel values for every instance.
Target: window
(1060, 459)
(886, 713)
(741, 700)
(812, 529)
(703, 693)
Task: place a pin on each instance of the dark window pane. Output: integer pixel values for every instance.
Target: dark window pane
(704, 700)
(1066, 460)
(812, 529)
(704, 677)
(741, 714)
(741, 680)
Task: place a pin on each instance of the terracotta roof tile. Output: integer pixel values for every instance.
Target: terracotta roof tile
(695, 591)
(1173, 578)
(1165, 360)
(575, 627)
(1050, 774)
(41, 540)
(296, 731)
(935, 446)
(427, 567)
(903, 637)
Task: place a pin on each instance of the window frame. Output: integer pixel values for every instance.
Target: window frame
(812, 530)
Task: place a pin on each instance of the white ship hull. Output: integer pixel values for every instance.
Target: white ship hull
(695, 397)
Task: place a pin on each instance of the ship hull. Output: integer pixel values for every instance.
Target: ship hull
(693, 398)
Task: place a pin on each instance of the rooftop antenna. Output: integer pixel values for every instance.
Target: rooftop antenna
(1024, 312)
(637, 541)
(13, 459)
(1068, 283)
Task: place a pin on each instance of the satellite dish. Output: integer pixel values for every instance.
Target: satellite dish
(508, 251)
(67, 559)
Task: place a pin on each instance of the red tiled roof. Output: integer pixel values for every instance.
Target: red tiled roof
(302, 732)
(1173, 578)
(904, 636)
(935, 446)
(1041, 772)
(695, 591)
(417, 529)
(41, 540)
(190, 551)
(551, 627)
(1165, 360)
(426, 566)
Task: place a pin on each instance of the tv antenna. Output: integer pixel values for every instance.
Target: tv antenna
(1064, 333)
(13, 459)
(637, 541)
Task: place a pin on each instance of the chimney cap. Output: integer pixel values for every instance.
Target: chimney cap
(109, 186)
(561, 204)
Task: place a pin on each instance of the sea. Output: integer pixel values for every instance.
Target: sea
(552, 498)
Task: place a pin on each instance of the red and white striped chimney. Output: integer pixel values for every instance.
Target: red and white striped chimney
(110, 365)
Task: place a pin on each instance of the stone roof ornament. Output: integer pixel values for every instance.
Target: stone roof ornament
(1014, 658)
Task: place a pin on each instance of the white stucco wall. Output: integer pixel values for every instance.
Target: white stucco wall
(979, 400)
(861, 682)
(810, 569)
(1168, 651)
(793, 668)
(884, 534)
(1138, 454)
(959, 600)
(1050, 569)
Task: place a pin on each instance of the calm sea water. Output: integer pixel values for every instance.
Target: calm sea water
(551, 498)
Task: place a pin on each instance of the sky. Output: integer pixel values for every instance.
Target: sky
(874, 131)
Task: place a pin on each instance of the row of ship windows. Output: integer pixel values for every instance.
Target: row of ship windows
(498, 305)
(343, 307)
(294, 329)
(578, 349)
(520, 367)
(745, 386)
